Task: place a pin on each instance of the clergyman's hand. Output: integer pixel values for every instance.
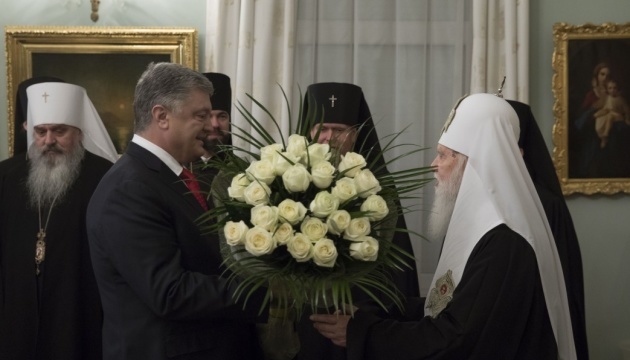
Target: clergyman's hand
(332, 326)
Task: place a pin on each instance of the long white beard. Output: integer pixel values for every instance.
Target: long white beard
(51, 174)
(445, 195)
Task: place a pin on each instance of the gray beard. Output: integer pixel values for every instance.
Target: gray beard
(445, 195)
(52, 174)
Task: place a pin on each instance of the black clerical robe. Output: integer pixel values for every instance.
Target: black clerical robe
(570, 257)
(498, 311)
(543, 174)
(314, 346)
(65, 323)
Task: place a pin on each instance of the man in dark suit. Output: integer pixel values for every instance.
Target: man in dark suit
(159, 278)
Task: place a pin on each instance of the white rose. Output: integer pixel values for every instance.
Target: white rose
(357, 228)
(235, 232)
(258, 241)
(324, 204)
(270, 152)
(265, 217)
(323, 173)
(297, 145)
(300, 247)
(314, 228)
(376, 206)
(296, 178)
(261, 170)
(352, 162)
(283, 162)
(318, 152)
(366, 249)
(325, 253)
(283, 234)
(256, 193)
(338, 222)
(237, 187)
(366, 183)
(291, 211)
(344, 189)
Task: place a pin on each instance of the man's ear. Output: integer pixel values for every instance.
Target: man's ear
(160, 115)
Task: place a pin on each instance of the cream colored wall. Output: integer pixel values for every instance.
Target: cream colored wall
(180, 13)
(602, 222)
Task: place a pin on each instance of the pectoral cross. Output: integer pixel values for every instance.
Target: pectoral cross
(45, 96)
(40, 249)
(332, 99)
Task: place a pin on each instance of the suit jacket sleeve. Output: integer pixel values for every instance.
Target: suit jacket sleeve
(143, 235)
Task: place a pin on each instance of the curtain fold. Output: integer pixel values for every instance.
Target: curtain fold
(253, 43)
(501, 47)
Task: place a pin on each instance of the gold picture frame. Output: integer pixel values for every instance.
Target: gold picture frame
(591, 87)
(106, 61)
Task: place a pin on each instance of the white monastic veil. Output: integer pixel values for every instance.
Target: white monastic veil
(62, 103)
(496, 188)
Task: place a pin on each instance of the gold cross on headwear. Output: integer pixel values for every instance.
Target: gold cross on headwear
(332, 99)
(451, 115)
(45, 96)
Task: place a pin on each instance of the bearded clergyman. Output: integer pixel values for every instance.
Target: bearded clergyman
(49, 302)
(498, 290)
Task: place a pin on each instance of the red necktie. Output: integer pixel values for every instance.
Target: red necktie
(193, 185)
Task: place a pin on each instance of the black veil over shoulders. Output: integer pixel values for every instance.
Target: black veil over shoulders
(543, 173)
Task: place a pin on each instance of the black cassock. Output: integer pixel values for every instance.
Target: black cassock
(498, 311)
(313, 345)
(56, 315)
(543, 174)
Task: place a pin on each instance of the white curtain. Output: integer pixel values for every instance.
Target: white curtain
(253, 43)
(411, 57)
(501, 47)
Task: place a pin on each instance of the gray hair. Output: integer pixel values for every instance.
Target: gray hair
(166, 84)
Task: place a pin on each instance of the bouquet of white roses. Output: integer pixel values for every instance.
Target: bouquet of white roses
(307, 223)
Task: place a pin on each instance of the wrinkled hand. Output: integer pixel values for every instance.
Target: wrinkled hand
(332, 326)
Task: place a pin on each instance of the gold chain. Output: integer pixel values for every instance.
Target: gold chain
(40, 244)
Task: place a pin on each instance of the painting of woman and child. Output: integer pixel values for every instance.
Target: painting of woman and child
(598, 108)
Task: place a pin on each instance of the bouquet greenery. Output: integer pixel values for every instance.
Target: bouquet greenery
(305, 222)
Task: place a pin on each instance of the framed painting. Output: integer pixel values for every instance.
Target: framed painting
(107, 62)
(591, 87)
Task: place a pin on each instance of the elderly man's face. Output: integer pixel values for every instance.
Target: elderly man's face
(339, 136)
(445, 162)
(56, 139)
(449, 172)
